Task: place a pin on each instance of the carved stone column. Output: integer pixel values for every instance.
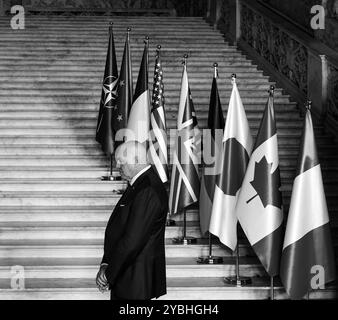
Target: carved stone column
(2, 8)
(317, 83)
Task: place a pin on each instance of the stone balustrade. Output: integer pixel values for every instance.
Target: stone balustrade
(302, 64)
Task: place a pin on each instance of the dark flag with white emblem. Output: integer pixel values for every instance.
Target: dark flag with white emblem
(104, 131)
(124, 94)
(259, 205)
(158, 135)
(139, 116)
(212, 146)
(237, 147)
(185, 182)
(307, 248)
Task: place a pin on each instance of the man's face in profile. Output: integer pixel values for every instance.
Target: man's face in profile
(125, 162)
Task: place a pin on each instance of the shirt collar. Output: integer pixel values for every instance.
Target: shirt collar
(132, 181)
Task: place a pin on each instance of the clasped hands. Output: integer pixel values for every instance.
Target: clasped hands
(101, 280)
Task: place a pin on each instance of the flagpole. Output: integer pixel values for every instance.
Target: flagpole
(237, 280)
(185, 240)
(272, 288)
(210, 259)
(110, 176)
(169, 222)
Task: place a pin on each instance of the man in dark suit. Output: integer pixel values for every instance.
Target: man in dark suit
(133, 264)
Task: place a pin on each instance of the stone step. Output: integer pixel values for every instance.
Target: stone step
(98, 73)
(84, 93)
(36, 116)
(294, 127)
(91, 254)
(12, 173)
(83, 48)
(187, 39)
(61, 108)
(222, 60)
(177, 289)
(95, 100)
(292, 130)
(55, 160)
(175, 268)
(166, 53)
(224, 85)
(14, 234)
(323, 142)
(76, 198)
(31, 216)
(63, 185)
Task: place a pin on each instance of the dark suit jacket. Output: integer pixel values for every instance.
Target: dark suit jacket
(134, 240)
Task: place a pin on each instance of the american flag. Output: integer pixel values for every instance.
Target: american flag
(158, 136)
(185, 181)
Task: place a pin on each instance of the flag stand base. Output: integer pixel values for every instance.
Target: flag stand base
(185, 240)
(111, 178)
(210, 260)
(238, 281)
(170, 223)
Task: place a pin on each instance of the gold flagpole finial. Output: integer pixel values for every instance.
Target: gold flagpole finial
(233, 78)
(216, 70)
(158, 50)
(185, 57)
(272, 90)
(309, 105)
(111, 23)
(146, 40)
(128, 31)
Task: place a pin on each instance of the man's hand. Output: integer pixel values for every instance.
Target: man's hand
(101, 280)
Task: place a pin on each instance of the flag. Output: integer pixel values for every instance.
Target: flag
(139, 116)
(307, 241)
(259, 205)
(158, 135)
(104, 131)
(212, 147)
(124, 95)
(236, 151)
(185, 184)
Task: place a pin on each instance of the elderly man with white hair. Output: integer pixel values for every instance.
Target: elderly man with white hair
(133, 264)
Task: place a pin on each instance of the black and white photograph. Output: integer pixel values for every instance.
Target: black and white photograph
(169, 150)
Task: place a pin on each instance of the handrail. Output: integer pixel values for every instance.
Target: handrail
(303, 65)
(302, 37)
(284, 16)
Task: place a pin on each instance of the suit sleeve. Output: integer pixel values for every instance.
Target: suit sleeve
(144, 213)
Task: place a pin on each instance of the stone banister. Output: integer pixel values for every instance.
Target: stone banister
(306, 67)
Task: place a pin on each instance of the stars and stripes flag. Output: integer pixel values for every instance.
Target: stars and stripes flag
(185, 183)
(307, 241)
(259, 205)
(124, 94)
(139, 116)
(212, 146)
(104, 132)
(158, 135)
(237, 148)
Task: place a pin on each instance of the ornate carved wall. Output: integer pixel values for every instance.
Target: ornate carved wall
(282, 51)
(115, 4)
(332, 105)
(182, 7)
